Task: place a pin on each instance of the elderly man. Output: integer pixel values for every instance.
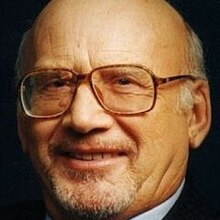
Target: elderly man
(113, 95)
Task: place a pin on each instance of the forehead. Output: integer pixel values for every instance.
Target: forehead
(92, 33)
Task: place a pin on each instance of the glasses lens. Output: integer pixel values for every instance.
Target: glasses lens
(47, 93)
(124, 89)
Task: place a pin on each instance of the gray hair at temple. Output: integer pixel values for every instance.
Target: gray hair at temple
(195, 66)
(194, 61)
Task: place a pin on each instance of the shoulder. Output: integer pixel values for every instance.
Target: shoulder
(191, 206)
(26, 210)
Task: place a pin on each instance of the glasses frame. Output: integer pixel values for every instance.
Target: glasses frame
(88, 77)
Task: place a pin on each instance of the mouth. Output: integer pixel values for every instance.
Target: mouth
(90, 160)
(91, 156)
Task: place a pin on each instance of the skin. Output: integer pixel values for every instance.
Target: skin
(80, 36)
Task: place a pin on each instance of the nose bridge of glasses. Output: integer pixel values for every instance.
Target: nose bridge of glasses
(83, 78)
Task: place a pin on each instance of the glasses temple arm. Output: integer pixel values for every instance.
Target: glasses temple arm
(160, 80)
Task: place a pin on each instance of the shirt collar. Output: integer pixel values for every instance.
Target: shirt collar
(158, 212)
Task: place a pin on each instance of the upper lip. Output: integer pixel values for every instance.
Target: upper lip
(90, 151)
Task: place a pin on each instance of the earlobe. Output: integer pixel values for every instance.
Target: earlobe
(200, 117)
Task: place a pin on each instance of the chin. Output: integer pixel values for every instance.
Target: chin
(90, 195)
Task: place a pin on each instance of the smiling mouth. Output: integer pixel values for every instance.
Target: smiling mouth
(92, 156)
(87, 158)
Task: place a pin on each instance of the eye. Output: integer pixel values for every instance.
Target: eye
(56, 82)
(56, 85)
(124, 81)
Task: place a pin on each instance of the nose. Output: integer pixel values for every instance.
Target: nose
(85, 113)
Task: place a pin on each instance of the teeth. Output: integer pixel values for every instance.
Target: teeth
(97, 156)
(106, 156)
(89, 157)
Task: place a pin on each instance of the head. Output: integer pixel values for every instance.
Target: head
(96, 164)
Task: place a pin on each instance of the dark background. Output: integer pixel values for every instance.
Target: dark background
(17, 179)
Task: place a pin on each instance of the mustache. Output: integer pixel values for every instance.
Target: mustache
(93, 144)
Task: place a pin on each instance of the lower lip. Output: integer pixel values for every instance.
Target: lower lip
(77, 164)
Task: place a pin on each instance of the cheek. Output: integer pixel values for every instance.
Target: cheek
(36, 133)
(42, 131)
(35, 137)
(160, 138)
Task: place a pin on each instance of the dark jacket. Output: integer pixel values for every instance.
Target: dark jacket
(190, 206)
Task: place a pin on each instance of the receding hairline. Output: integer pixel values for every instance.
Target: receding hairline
(194, 50)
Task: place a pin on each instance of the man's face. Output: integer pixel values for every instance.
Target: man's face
(112, 163)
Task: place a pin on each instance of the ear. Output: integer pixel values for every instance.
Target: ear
(200, 117)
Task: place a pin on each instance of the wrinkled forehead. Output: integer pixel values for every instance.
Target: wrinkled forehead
(87, 20)
(99, 17)
(125, 30)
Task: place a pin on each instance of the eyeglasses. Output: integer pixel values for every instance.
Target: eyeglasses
(120, 89)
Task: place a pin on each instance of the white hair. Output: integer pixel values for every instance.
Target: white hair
(195, 66)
